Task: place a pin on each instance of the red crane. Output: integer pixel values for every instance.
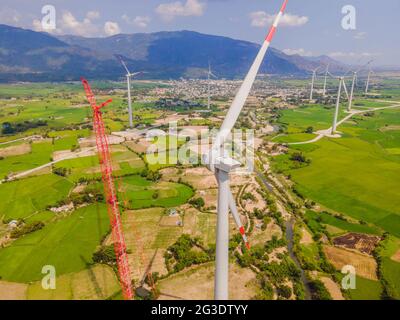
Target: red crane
(110, 193)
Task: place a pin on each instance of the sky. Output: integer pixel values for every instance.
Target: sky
(370, 30)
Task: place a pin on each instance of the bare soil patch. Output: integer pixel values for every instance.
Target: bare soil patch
(198, 283)
(365, 265)
(333, 288)
(12, 290)
(396, 256)
(68, 154)
(306, 237)
(15, 150)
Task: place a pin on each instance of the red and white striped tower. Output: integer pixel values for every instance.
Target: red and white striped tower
(110, 193)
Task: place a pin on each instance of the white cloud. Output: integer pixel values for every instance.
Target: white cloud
(93, 15)
(111, 28)
(138, 21)
(168, 11)
(360, 35)
(341, 54)
(69, 24)
(300, 52)
(262, 19)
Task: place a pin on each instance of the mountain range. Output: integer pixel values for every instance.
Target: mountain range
(26, 55)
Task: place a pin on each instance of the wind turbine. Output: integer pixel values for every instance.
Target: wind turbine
(326, 78)
(221, 164)
(129, 76)
(209, 75)
(336, 115)
(355, 73)
(314, 76)
(342, 84)
(368, 79)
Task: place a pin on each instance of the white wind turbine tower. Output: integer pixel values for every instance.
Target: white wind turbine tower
(209, 75)
(342, 84)
(368, 80)
(355, 76)
(222, 165)
(129, 75)
(314, 76)
(326, 79)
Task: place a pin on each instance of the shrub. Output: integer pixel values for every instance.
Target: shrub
(284, 291)
(197, 202)
(26, 229)
(106, 254)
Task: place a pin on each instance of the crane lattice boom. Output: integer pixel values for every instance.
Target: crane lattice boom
(110, 193)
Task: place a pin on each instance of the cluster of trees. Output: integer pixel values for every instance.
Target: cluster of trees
(26, 229)
(309, 130)
(60, 171)
(106, 255)
(151, 175)
(13, 128)
(182, 254)
(248, 196)
(318, 290)
(299, 157)
(89, 195)
(198, 203)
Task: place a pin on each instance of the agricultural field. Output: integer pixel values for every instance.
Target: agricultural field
(67, 244)
(23, 201)
(360, 180)
(49, 196)
(353, 181)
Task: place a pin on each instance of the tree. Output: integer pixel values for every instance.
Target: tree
(299, 157)
(309, 130)
(284, 291)
(197, 203)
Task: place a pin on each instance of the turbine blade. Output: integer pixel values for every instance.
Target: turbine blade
(123, 64)
(345, 89)
(244, 91)
(236, 217)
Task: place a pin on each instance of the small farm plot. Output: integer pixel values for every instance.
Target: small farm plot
(143, 193)
(24, 197)
(67, 244)
(95, 283)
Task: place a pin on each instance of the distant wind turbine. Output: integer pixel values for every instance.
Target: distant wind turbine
(355, 75)
(326, 78)
(314, 76)
(129, 75)
(368, 80)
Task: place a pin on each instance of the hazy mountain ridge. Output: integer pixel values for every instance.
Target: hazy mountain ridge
(36, 56)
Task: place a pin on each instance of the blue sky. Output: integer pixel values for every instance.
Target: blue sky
(312, 27)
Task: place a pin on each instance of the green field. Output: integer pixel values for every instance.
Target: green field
(366, 290)
(144, 194)
(315, 220)
(124, 162)
(390, 268)
(25, 197)
(67, 244)
(354, 175)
